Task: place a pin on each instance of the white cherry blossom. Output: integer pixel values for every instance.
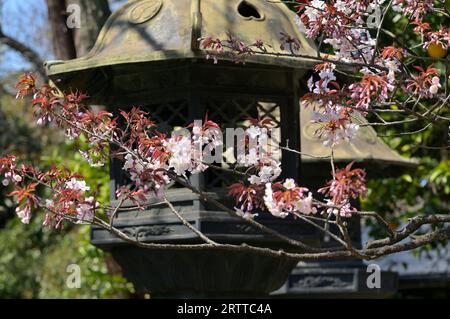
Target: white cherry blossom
(77, 185)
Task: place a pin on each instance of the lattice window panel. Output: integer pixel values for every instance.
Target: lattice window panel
(233, 113)
(229, 113)
(169, 115)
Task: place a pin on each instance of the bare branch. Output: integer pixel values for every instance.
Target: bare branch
(188, 224)
(25, 51)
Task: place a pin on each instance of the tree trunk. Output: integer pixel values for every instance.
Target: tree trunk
(76, 42)
(94, 14)
(62, 37)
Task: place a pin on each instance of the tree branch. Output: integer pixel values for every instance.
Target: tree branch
(25, 51)
(188, 224)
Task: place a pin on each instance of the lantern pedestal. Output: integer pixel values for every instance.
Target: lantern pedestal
(202, 274)
(207, 273)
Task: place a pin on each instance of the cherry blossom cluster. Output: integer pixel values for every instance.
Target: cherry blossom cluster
(280, 199)
(346, 185)
(231, 47)
(264, 163)
(70, 197)
(426, 83)
(439, 38)
(372, 87)
(342, 23)
(70, 113)
(413, 8)
(8, 168)
(328, 107)
(349, 27)
(147, 166)
(284, 199)
(335, 125)
(262, 191)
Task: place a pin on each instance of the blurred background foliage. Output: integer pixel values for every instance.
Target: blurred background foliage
(425, 190)
(33, 259)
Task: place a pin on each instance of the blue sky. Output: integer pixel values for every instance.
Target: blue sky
(26, 20)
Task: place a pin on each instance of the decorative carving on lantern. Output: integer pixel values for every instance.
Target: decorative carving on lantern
(144, 11)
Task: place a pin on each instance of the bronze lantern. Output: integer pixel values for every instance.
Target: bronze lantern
(148, 54)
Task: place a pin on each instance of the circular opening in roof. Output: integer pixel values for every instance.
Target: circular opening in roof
(249, 11)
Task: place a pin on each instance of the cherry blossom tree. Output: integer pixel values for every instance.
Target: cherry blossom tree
(358, 76)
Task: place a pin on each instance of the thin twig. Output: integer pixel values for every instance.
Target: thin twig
(188, 224)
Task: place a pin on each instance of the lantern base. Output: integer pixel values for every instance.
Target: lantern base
(202, 273)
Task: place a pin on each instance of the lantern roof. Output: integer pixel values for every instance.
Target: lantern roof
(148, 31)
(366, 147)
(142, 35)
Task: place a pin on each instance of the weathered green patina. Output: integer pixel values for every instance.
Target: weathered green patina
(160, 30)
